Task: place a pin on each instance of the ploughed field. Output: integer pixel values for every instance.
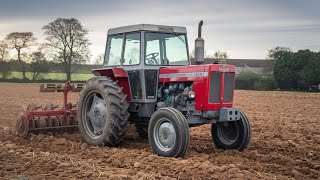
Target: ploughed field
(285, 144)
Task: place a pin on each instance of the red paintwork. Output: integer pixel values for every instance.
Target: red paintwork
(117, 74)
(200, 84)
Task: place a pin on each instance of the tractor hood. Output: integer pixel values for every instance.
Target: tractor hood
(192, 72)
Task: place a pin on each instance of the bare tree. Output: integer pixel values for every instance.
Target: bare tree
(99, 60)
(5, 69)
(4, 50)
(20, 41)
(69, 43)
(38, 64)
(221, 56)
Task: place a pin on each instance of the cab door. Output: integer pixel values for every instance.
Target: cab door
(131, 63)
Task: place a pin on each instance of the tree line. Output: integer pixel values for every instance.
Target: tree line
(66, 42)
(295, 70)
(291, 70)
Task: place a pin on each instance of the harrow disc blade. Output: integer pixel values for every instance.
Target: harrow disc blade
(62, 121)
(55, 122)
(40, 122)
(49, 121)
(69, 121)
(21, 126)
(32, 123)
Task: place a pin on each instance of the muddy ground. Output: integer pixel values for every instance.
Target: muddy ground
(285, 144)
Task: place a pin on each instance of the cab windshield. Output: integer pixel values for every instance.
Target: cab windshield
(166, 49)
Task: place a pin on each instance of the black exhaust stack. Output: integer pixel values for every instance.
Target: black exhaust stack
(199, 46)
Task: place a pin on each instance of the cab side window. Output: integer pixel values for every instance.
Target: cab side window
(113, 50)
(132, 49)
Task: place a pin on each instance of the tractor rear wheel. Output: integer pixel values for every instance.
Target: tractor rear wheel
(102, 112)
(232, 135)
(168, 133)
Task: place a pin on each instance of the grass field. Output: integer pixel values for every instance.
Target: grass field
(54, 76)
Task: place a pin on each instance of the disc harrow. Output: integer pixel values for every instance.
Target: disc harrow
(36, 118)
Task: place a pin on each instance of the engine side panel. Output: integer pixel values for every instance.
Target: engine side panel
(210, 91)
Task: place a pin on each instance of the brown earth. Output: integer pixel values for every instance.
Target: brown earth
(285, 144)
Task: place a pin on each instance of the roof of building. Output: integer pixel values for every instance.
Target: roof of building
(147, 27)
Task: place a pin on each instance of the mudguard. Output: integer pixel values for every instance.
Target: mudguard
(117, 74)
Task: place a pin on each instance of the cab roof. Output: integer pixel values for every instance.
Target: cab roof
(148, 27)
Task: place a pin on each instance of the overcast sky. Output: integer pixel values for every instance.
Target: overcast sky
(242, 28)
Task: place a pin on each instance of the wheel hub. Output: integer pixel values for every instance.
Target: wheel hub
(166, 135)
(229, 132)
(97, 114)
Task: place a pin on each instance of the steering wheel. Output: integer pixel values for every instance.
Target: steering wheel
(152, 57)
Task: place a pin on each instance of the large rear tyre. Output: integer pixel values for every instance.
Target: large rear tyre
(232, 135)
(102, 112)
(168, 133)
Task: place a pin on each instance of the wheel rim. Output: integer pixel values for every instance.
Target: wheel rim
(94, 114)
(229, 133)
(164, 134)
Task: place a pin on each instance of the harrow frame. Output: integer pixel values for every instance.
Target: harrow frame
(68, 111)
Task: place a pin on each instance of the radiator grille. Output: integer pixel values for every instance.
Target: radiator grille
(215, 82)
(228, 87)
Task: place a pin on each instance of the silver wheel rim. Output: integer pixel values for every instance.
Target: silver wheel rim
(164, 134)
(94, 114)
(228, 134)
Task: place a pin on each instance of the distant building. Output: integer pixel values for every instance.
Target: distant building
(257, 66)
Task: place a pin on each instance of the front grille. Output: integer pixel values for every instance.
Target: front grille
(215, 82)
(228, 87)
(215, 86)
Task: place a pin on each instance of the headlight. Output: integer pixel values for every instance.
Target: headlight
(191, 94)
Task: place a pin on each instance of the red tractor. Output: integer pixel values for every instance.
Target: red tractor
(147, 79)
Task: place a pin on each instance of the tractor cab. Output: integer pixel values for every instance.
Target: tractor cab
(146, 45)
(141, 50)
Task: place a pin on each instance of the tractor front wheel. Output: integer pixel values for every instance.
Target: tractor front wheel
(168, 133)
(232, 135)
(102, 112)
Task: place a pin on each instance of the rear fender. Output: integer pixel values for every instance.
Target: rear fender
(117, 74)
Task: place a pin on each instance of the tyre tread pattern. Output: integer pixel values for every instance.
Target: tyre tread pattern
(182, 143)
(241, 143)
(118, 111)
